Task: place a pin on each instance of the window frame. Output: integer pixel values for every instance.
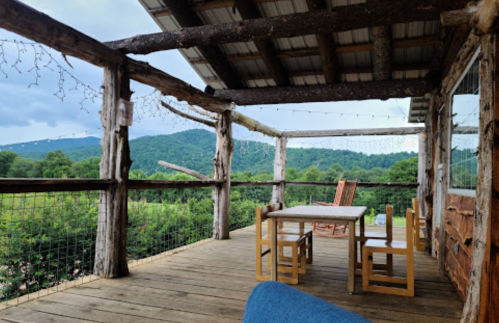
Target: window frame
(450, 189)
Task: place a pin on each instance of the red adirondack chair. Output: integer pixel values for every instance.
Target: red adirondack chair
(345, 193)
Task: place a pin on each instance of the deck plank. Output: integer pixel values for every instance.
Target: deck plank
(188, 287)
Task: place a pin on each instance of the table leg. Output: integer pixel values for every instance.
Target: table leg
(351, 256)
(273, 248)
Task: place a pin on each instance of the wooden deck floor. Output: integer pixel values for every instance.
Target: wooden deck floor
(212, 281)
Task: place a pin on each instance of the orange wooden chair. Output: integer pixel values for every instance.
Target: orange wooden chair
(394, 248)
(307, 233)
(297, 243)
(345, 192)
(419, 224)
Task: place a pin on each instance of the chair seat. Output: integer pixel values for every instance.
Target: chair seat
(386, 244)
(290, 238)
(294, 231)
(372, 235)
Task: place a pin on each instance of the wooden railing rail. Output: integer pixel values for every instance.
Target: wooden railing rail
(53, 185)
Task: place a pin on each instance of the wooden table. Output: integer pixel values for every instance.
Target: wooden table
(319, 214)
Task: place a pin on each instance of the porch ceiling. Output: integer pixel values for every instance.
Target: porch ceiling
(339, 57)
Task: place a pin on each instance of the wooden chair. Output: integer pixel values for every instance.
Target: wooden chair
(419, 224)
(307, 233)
(296, 242)
(345, 192)
(387, 236)
(390, 247)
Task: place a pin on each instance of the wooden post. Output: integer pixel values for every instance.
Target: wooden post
(483, 289)
(422, 179)
(222, 162)
(444, 149)
(110, 253)
(279, 169)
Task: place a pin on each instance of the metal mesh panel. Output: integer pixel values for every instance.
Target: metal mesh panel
(47, 239)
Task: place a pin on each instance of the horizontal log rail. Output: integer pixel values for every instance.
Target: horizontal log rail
(360, 184)
(53, 185)
(137, 184)
(254, 183)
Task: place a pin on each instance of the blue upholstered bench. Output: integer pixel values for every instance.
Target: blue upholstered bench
(276, 302)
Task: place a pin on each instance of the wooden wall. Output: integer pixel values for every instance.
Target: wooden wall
(459, 219)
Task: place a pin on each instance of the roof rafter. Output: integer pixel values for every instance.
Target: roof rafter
(354, 91)
(265, 47)
(187, 18)
(320, 21)
(382, 58)
(326, 46)
(398, 43)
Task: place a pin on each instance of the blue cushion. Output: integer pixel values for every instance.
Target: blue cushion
(277, 302)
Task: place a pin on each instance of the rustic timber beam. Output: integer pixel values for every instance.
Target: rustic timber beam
(23, 20)
(304, 52)
(188, 116)
(203, 112)
(353, 132)
(326, 93)
(32, 24)
(185, 170)
(322, 21)
(382, 56)
(265, 47)
(21, 185)
(144, 73)
(135, 184)
(482, 16)
(254, 125)
(326, 46)
(188, 18)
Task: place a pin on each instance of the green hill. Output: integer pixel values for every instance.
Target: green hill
(195, 149)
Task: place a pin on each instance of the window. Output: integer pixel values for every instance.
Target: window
(465, 122)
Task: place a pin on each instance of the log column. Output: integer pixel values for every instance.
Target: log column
(279, 169)
(483, 289)
(110, 254)
(222, 162)
(423, 189)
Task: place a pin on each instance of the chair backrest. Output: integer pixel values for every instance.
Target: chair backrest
(261, 214)
(389, 222)
(348, 193)
(409, 227)
(415, 208)
(340, 188)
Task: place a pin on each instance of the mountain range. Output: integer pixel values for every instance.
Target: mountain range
(195, 149)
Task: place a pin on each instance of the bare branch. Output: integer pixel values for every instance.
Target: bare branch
(185, 170)
(187, 116)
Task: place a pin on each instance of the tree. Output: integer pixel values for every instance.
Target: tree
(6, 160)
(86, 168)
(54, 165)
(22, 168)
(404, 171)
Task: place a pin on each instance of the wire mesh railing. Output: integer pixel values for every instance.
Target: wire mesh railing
(47, 240)
(162, 220)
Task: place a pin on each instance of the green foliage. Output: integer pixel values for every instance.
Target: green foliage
(6, 160)
(54, 165)
(86, 168)
(22, 168)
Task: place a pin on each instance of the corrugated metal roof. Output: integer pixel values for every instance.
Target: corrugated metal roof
(255, 73)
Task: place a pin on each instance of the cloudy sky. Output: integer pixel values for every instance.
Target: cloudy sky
(31, 109)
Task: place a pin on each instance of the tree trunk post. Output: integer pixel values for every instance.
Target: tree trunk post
(483, 288)
(279, 169)
(110, 253)
(423, 189)
(222, 162)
